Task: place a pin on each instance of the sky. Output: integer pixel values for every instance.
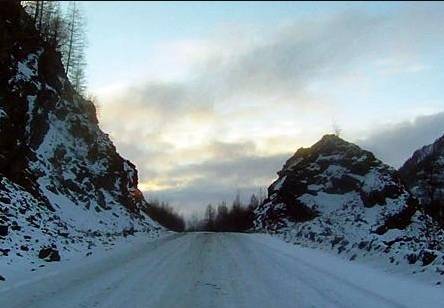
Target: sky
(208, 99)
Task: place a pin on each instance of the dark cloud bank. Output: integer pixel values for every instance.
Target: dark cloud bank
(397, 143)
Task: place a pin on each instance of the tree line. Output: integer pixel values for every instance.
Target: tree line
(165, 215)
(64, 30)
(237, 217)
(223, 218)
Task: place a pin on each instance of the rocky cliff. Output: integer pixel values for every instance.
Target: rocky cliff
(339, 197)
(61, 178)
(423, 174)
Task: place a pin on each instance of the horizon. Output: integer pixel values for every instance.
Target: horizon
(210, 99)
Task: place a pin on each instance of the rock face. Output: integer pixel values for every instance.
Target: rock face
(336, 196)
(423, 174)
(49, 254)
(61, 178)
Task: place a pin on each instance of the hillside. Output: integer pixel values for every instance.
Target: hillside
(338, 197)
(423, 174)
(62, 182)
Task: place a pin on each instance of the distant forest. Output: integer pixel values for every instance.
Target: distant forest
(236, 217)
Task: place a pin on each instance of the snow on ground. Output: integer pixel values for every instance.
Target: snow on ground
(18, 271)
(215, 270)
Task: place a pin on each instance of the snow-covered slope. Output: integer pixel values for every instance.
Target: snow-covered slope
(339, 197)
(62, 183)
(423, 174)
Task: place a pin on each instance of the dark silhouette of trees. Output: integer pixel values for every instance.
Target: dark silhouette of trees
(65, 32)
(74, 49)
(56, 31)
(237, 218)
(165, 215)
(48, 18)
(210, 218)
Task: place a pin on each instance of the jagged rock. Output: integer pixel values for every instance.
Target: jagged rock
(339, 197)
(412, 258)
(3, 230)
(129, 231)
(4, 252)
(56, 165)
(15, 226)
(49, 254)
(427, 257)
(337, 170)
(423, 174)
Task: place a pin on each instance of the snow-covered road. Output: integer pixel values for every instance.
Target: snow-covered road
(217, 270)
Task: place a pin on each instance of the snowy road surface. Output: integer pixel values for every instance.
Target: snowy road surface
(217, 270)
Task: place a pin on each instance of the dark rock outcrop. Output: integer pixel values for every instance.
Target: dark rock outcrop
(423, 174)
(49, 254)
(334, 168)
(56, 165)
(3, 230)
(339, 197)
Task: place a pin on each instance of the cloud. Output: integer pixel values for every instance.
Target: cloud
(215, 180)
(284, 65)
(229, 164)
(247, 102)
(237, 171)
(286, 62)
(394, 144)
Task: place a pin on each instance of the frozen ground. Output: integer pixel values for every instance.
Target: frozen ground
(214, 270)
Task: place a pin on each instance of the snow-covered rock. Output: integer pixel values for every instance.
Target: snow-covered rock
(423, 174)
(62, 183)
(337, 196)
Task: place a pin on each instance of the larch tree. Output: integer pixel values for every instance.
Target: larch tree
(74, 49)
(65, 33)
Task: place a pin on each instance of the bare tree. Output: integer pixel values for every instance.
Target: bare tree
(262, 195)
(55, 26)
(210, 216)
(254, 202)
(74, 49)
(65, 32)
(337, 130)
(42, 7)
(77, 76)
(36, 10)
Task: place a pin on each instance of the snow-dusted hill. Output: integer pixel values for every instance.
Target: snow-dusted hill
(62, 183)
(339, 197)
(423, 174)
